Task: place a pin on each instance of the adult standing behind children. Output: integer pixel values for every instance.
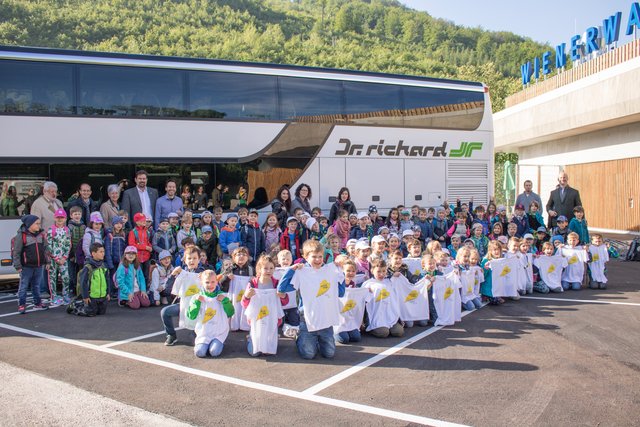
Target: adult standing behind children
(281, 206)
(562, 200)
(110, 208)
(46, 205)
(303, 195)
(140, 198)
(527, 196)
(85, 202)
(169, 203)
(343, 202)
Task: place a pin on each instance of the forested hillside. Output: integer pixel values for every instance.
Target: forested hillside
(374, 35)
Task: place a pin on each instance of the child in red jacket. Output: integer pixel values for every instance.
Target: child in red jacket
(140, 238)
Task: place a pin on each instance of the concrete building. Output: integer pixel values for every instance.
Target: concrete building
(585, 120)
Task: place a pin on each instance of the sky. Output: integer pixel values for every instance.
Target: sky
(552, 21)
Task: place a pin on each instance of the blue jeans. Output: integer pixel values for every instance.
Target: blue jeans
(292, 317)
(571, 285)
(472, 304)
(309, 343)
(214, 348)
(410, 323)
(30, 278)
(167, 314)
(348, 336)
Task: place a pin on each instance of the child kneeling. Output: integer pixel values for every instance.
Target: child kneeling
(212, 325)
(132, 288)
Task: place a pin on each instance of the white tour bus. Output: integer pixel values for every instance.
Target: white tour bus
(73, 117)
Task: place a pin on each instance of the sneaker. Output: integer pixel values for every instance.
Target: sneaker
(57, 301)
(22, 309)
(164, 301)
(171, 340)
(516, 298)
(40, 306)
(66, 300)
(602, 285)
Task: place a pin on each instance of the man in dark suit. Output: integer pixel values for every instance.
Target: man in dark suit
(140, 198)
(562, 200)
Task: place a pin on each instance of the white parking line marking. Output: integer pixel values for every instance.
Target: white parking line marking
(242, 383)
(129, 340)
(375, 359)
(586, 301)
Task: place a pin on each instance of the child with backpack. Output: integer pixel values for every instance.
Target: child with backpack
(58, 240)
(140, 238)
(76, 229)
(29, 259)
(160, 273)
(115, 241)
(92, 234)
(163, 239)
(93, 285)
(132, 287)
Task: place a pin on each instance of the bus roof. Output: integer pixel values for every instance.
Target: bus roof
(50, 54)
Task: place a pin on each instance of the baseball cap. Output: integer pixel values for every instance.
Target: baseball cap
(172, 215)
(542, 229)
(377, 239)
(384, 227)
(207, 229)
(138, 217)
(405, 212)
(406, 233)
(164, 219)
(164, 254)
(351, 242)
(363, 215)
(96, 217)
(373, 209)
(519, 206)
(292, 218)
(501, 208)
(118, 220)
(353, 215)
(60, 213)
(416, 228)
(528, 236)
(562, 218)
(131, 249)
(310, 223)
(362, 244)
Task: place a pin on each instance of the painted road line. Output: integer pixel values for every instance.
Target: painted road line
(586, 301)
(15, 313)
(242, 383)
(10, 300)
(375, 359)
(129, 340)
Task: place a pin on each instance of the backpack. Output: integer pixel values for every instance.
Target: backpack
(79, 283)
(80, 258)
(13, 242)
(77, 307)
(634, 250)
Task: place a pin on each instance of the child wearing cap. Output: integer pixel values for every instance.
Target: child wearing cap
(363, 229)
(160, 273)
(480, 218)
(77, 229)
(363, 250)
(405, 220)
(174, 223)
(93, 233)
(163, 239)
(454, 246)
(480, 241)
(311, 230)
(115, 242)
(541, 238)
(578, 225)
(376, 221)
(353, 219)
(290, 239)
(208, 242)
(29, 259)
(378, 248)
(501, 217)
(132, 287)
(58, 240)
(561, 228)
(230, 235)
(140, 238)
(407, 236)
(350, 248)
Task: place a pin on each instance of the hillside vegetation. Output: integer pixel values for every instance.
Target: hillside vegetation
(374, 35)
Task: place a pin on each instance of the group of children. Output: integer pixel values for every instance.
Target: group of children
(316, 282)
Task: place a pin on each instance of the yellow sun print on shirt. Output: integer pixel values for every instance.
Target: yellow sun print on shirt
(348, 306)
(470, 289)
(383, 295)
(324, 287)
(595, 257)
(573, 259)
(191, 291)
(239, 296)
(209, 313)
(448, 292)
(551, 269)
(411, 296)
(506, 270)
(264, 312)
